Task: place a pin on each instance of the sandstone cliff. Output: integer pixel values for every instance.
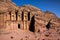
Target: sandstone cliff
(27, 23)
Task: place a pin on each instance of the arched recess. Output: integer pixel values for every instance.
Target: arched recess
(32, 24)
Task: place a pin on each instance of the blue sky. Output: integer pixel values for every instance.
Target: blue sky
(50, 5)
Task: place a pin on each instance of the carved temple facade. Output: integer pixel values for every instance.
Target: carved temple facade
(16, 20)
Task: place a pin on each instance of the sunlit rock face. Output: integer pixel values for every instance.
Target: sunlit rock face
(27, 23)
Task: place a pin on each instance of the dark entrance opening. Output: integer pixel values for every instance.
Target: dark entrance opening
(16, 14)
(18, 26)
(28, 16)
(32, 23)
(10, 15)
(48, 25)
(22, 16)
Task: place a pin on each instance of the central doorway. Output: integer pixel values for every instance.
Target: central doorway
(18, 26)
(32, 23)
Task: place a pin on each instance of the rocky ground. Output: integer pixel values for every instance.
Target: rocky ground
(17, 35)
(27, 35)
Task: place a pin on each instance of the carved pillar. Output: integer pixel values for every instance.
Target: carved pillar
(36, 27)
(7, 16)
(28, 22)
(19, 16)
(13, 18)
(13, 15)
(20, 19)
(25, 20)
(1, 20)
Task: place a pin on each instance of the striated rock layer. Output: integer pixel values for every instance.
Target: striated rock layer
(27, 23)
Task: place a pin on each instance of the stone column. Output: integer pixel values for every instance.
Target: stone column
(20, 19)
(28, 22)
(13, 15)
(6, 16)
(19, 16)
(1, 20)
(36, 28)
(25, 20)
(13, 18)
